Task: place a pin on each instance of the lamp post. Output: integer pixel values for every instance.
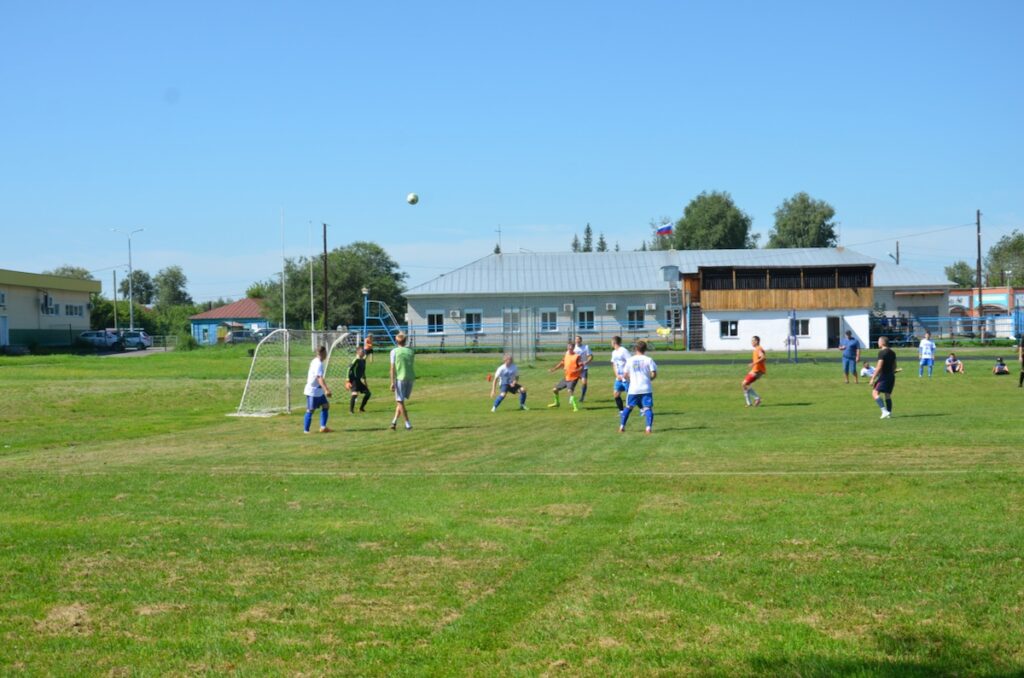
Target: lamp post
(366, 308)
(131, 296)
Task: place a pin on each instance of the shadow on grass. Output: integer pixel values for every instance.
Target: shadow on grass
(923, 414)
(663, 429)
(909, 652)
(787, 405)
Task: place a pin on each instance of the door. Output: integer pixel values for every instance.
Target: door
(835, 324)
(4, 339)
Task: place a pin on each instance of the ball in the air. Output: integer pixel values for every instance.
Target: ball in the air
(412, 198)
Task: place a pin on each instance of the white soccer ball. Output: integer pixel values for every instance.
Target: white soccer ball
(412, 198)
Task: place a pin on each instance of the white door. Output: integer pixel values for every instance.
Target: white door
(4, 339)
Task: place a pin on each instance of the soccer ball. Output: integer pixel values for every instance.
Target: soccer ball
(412, 198)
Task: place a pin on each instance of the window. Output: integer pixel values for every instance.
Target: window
(3, 298)
(548, 320)
(74, 310)
(635, 318)
(729, 329)
(801, 327)
(510, 320)
(585, 320)
(474, 321)
(435, 322)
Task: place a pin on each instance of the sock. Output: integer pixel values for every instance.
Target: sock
(618, 402)
(624, 417)
(930, 367)
(1020, 382)
(408, 424)
(366, 399)
(881, 403)
(888, 403)
(522, 398)
(323, 417)
(753, 393)
(572, 401)
(920, 371)
(352, 404)
(649, 416)
(583, 393)
(746, 396)
(556, 398)
(307, 421)
(497, 401)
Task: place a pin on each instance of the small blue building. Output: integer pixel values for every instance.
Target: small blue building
(210, 327)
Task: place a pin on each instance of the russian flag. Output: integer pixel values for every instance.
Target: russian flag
(665, 230)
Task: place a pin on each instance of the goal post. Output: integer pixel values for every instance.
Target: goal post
(268, 387)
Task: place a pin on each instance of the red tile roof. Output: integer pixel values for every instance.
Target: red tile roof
(248, 309)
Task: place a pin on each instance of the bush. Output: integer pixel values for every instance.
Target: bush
(186, 342)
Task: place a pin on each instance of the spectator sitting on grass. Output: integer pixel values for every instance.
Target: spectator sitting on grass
(954, 365)
(1000, 367)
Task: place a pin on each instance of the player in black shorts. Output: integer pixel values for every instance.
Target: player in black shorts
(885, 377)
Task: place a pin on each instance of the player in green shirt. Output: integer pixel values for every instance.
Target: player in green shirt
(402, 378)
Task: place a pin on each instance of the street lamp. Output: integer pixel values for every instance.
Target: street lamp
(366, 308)
(131, 296)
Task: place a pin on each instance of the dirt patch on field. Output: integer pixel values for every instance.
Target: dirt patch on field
(566, 510)
(65, 620)
(158, 608)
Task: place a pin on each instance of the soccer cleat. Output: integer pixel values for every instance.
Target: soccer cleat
(553, 405)
(408, 426)
(622, 429)
(647, 430)
(575, 408)
(494, 409)
(306, 430)
(324, 429)
(394, 425)
(757, 401)
(885, 414)
(524, 408)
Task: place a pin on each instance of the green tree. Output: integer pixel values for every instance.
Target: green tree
(349, 269)
(962, 274)
(170, 285)
(69, 271)
(143, 290)
(602, 244)
(575, 243)
(588, 239)
(1006, 255)
(712, 221)
(261, 290)
(802, 221)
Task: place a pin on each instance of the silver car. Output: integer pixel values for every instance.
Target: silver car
(136, 339)
(102, 339)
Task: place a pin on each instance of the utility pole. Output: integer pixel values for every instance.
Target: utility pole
(115, 299)
(897, 252)
(981, 295)
(325, 278)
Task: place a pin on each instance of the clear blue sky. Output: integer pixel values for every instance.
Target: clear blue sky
(201, 122)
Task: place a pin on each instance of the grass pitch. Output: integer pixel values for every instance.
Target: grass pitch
(142, 532)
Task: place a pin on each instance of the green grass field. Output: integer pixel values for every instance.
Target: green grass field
(143, 532)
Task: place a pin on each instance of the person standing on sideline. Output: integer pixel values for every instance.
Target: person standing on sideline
(758, 368)
(619, 357)
(1020, 359)
(885, 377)
(640, 371)
(506, 377)
(573, 367)
(402, 378)
(586, 357)
(316, 392)
(357, 381)
(368, 346)
(851, 356)
(926, 354)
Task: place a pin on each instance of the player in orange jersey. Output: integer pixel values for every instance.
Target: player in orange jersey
(757, 370)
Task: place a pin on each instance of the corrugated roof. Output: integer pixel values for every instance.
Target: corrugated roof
(581, 272)
(248, 309)
(888, 274)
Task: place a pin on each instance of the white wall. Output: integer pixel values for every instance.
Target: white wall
(773, 328)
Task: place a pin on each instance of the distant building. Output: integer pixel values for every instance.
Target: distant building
(45, 310)
(210, 327)
(1001, 307)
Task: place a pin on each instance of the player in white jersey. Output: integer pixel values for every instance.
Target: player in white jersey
(926, 352)
(586, 357)
(640, 371)
(316, 392)
(619, 357)
(506, 379)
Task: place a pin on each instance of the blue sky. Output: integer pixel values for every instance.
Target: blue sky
(201, 122)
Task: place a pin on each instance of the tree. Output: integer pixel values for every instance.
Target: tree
(802, 221)
(349, 269)
(497, 248)
(69, 271)
(261, 290)
(588, 239)
(602, 244)
(170, 285)
(713, 222)
(962, 274)
(575, 243)
(1006, 255)
(143, 289)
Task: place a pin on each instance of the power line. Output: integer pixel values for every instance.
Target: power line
(911, 235)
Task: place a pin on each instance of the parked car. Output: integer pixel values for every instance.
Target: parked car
(239, 337)
(136, 339)
(102, 339)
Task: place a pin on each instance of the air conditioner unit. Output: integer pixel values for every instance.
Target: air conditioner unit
(609, 307)
(455, 314)
(651, 307)
(567, 308)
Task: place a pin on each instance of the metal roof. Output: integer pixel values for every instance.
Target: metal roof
(582, 272)
(888, 274)
(249, 309)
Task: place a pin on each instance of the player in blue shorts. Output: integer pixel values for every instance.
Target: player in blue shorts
(640, 371)
(926, 352)
(316, 392)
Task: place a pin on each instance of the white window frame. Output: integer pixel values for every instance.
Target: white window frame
(426, 316)
(799, 327)
(511, 320)
(479, 323)
(580, 310)
(554, 312)
(630, 324)
(732, 329)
